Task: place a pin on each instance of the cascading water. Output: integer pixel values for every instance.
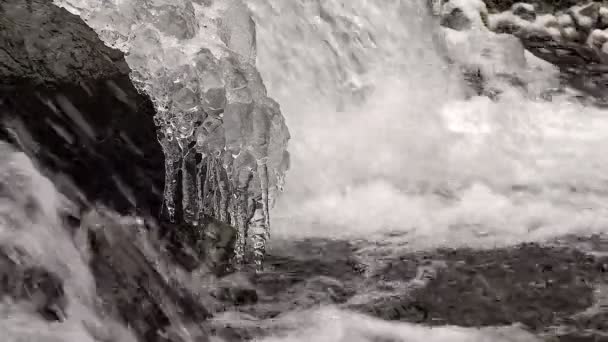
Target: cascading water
(386, 137)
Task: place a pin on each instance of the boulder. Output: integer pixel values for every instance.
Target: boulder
(67, 101)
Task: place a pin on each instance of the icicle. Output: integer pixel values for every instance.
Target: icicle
(223, 200)
(258, 230)
(201, 180)
(263, 172)
(172, 158)
(245, 176)
(189, 180)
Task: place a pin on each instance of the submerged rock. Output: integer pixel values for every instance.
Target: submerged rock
(570, 35)
(36, 286)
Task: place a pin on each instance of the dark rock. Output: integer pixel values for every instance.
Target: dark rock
(134, 292)
(42, 289)
(581, 67)
(522, 11)
(67, 101)
(591, 10)
(508, 27)
(539, 286)
(211, 243)
(456, 20)
(529, 284)
(495, 6)
(236, 290)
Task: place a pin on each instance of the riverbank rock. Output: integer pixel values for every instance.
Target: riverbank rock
(571, 36)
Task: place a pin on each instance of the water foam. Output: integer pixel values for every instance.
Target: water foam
(331, 324)
(29, 223)
(404, 150)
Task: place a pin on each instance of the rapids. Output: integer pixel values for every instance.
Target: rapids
(387, 145)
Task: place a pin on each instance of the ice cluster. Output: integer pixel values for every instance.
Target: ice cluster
(224, 139)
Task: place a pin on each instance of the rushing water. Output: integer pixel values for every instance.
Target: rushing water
(384, 139)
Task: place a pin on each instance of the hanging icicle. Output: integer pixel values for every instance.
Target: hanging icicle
(217, 128)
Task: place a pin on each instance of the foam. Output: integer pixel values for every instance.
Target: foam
(330, 324)
(415, 156)
(29, 221)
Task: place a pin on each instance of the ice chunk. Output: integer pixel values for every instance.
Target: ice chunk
(237, 31)
(216, 125)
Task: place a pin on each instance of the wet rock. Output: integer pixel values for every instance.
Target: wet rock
(587, 16)
(456, 20)
(236, 290)
(582, 67)
(529, 284)
(508, 27)
(67, 101)
(210, 243)
(539, 286)
(41, 289)
(134, 290)
(524, 11)
(495, 6)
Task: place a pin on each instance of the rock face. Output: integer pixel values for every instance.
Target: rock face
(135, 285)
(66, 99)
(571, 35)
(35, 285)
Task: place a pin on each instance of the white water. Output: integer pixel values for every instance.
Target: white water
(414, 155)
(29, 222)
(383, 140)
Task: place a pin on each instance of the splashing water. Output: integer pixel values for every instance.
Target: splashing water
(384, 138)
(33, 235)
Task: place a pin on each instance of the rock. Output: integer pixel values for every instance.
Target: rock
(591, 10)
(508, 27)
(597, 39)
(456, 20)
(528, 284)
(496, 6)
(67, 101)
(572, 39)
(41, 289)
(603, 19)
(585, 17)
(236, 290)
(210, 243)
(136, 286)
(524, 11)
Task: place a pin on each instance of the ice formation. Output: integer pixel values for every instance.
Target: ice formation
(224, 139)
